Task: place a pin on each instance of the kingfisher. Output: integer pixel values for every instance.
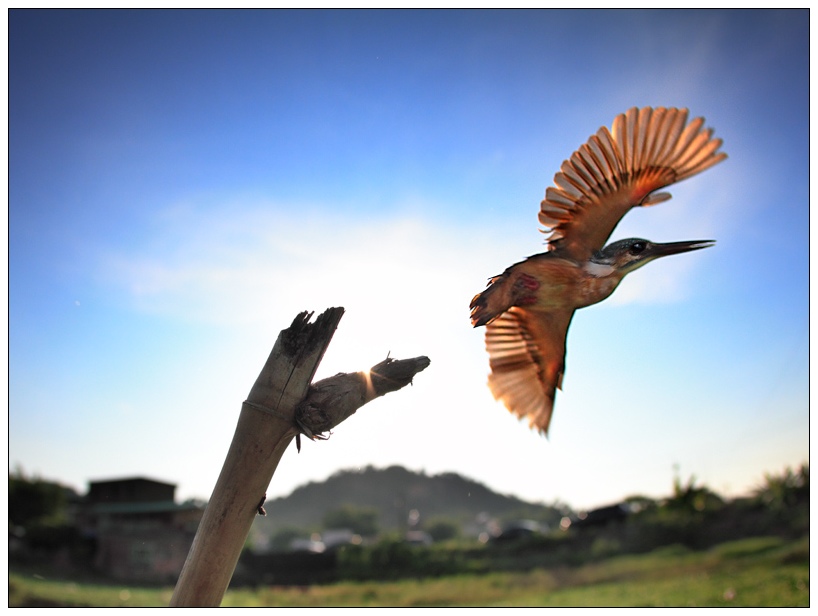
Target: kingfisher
(528, 308)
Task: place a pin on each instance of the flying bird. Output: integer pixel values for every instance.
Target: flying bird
(527, 309)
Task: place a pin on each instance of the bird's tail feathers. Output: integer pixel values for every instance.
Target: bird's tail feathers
(491, 303)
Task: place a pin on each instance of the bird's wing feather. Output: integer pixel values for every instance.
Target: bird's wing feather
(527, 358)
(645, 150)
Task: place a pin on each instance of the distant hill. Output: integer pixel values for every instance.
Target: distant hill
(394, 492)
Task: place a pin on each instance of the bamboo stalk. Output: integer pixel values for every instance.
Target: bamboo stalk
(265, 428)
(282, 404)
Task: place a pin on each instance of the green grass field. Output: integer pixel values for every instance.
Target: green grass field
(763, 571)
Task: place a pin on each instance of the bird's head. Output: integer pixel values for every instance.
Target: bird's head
(628, 255)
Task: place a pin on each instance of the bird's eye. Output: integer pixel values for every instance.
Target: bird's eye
(638, 247)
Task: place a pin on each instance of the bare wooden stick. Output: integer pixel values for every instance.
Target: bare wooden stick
(265, 429)
(281, 405)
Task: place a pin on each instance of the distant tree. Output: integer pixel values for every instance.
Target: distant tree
(34, 501)
(441, 529)
(691, 498)
(785, 490)
(360, 520)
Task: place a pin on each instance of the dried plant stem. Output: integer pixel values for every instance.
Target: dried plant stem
(330, 401)
(265, 428)
(282, 404)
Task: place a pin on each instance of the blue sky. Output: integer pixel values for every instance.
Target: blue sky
(182, 184)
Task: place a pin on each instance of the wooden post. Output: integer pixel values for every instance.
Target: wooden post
(281, 405)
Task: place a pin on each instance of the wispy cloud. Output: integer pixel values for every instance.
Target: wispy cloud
(230, 254)
(238, 263)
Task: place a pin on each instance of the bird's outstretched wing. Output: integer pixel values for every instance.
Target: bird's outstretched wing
(645, 150)
(527, 358)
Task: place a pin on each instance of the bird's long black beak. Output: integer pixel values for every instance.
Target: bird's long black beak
(675, 248)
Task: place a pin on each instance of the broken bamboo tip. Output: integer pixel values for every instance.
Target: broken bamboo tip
(330, 401)
(303, 336)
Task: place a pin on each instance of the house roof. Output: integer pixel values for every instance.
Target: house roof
(136, 479)
(143, 507)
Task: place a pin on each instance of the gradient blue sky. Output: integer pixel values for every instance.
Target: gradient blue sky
(182, 184)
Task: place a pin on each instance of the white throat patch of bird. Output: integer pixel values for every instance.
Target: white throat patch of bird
(527, 309)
